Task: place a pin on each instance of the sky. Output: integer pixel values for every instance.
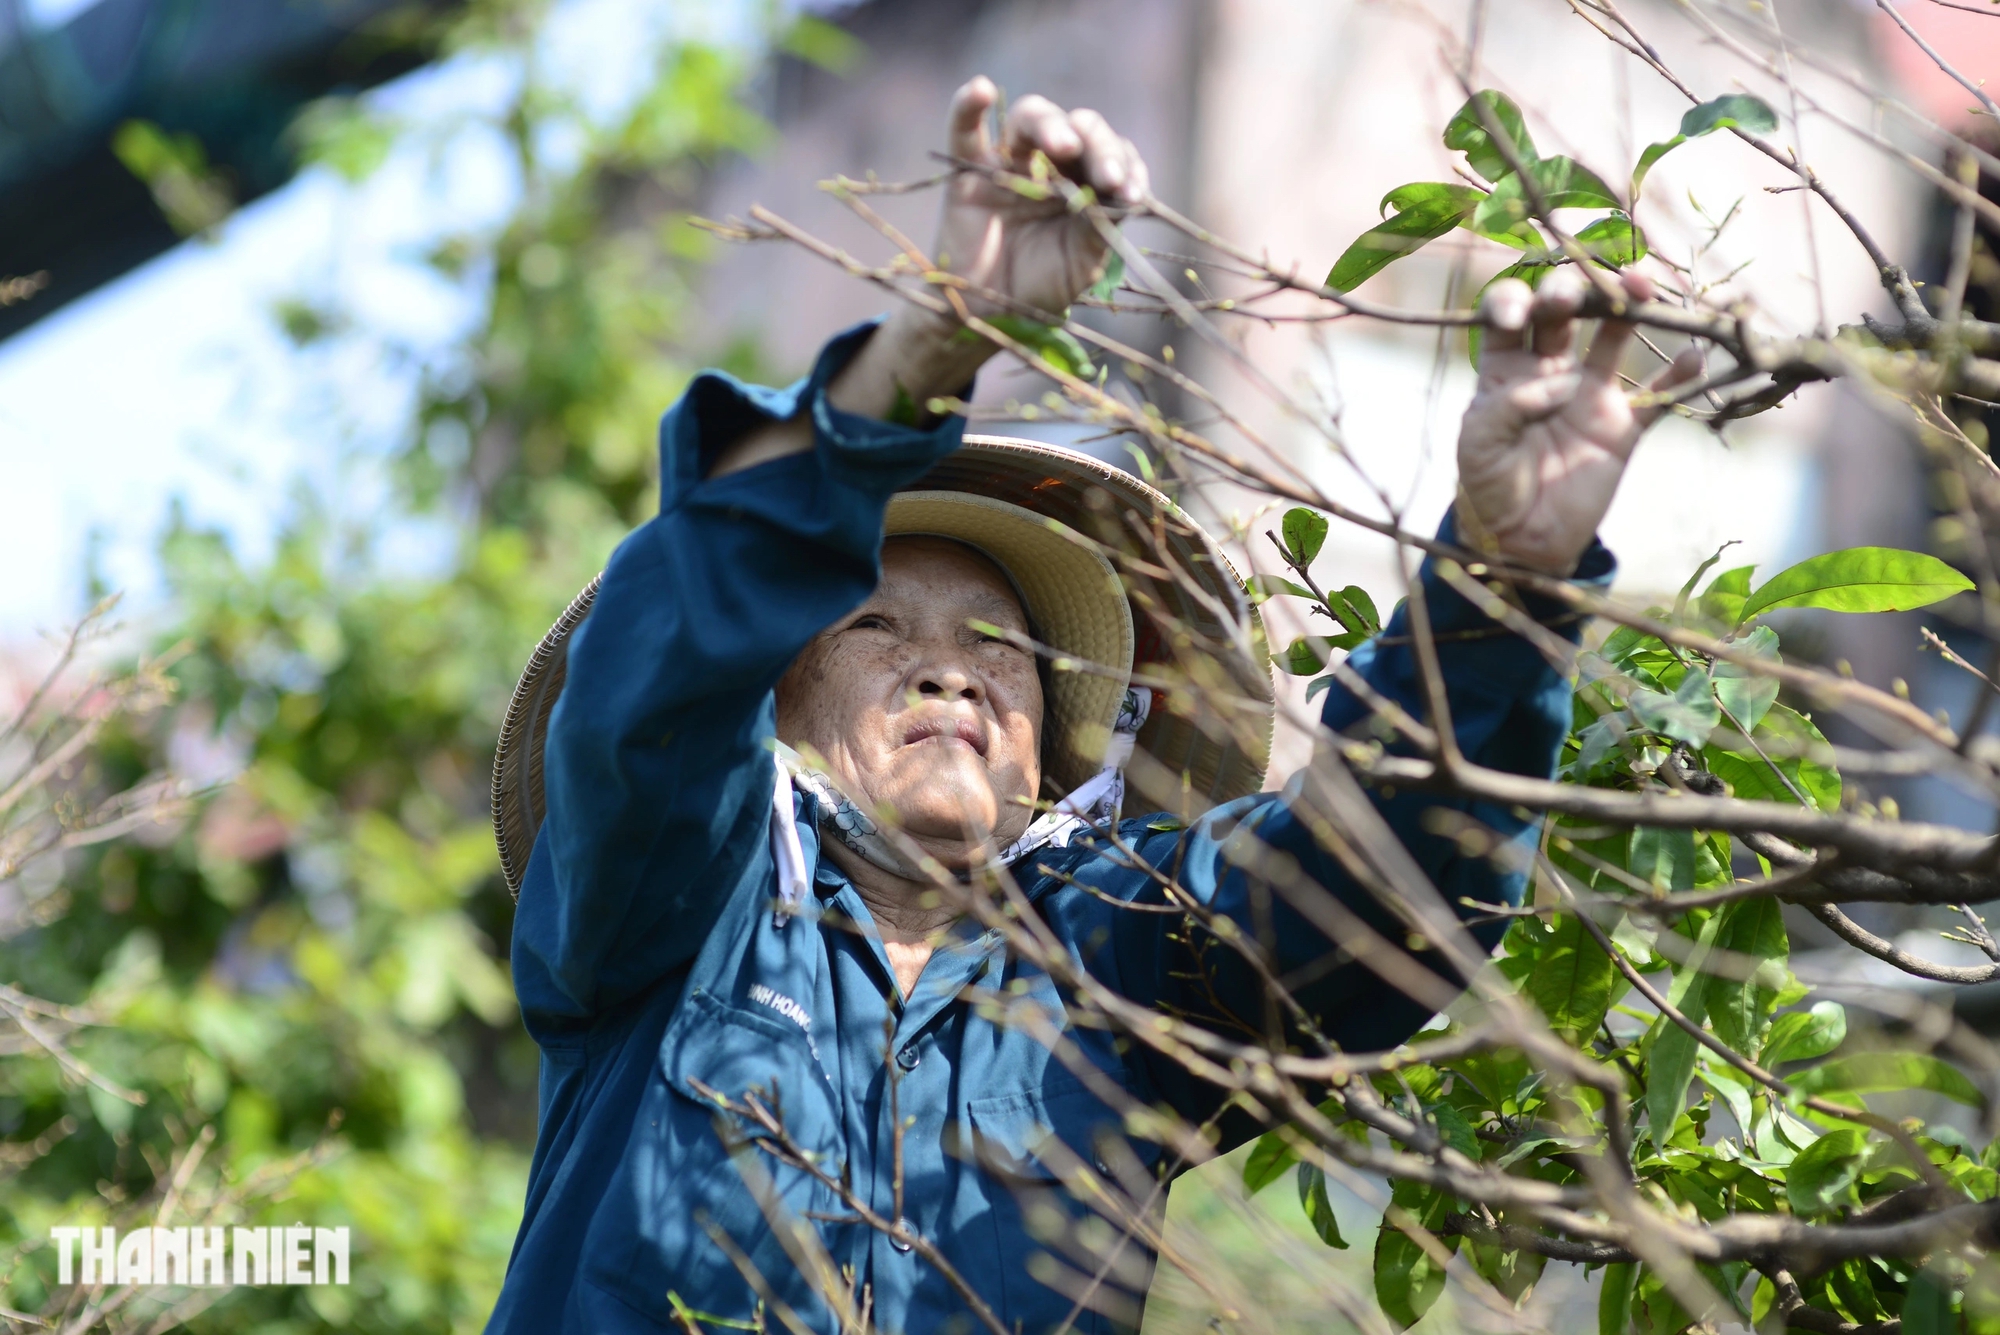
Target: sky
(176, 384)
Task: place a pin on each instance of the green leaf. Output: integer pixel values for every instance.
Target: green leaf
(191, 196)
(1362, 606)
(1762, 1298)
(1794, 732)
(1879, 1072)
(1746, 697)
(1273, 1153)
(1615, 240)
(1521, 235)
(827, 45)
(1927, 1306)
(1670, 1068)
(1850, 1284)
(1263, 588)
(1664, 857)
(1713, 858)
(1747, 694)
(1303, 531)
(1319, 1210)
(1349, 619)
(1653, 153)
(1467, 132)
(1417, 193)
(1597, 742)
(1739, 1010)
(345, 134)
(1723, 601)
(1052, 343)
(1513, 1273)
(1563, 183)
(1687, 589)
(1406, 197)
(1614, 1298)
(1407, 1280)
(1825, 1170)
(1305, 657)
(1727, 1281)
(1654, 1308)
(1860, 579)
(1803, 1035)
(1729, 110)
(1107, 284)
(903, 411)
(1572, 980)
(1669, 1072)
(1455, 1130)
(1733, 1088)
(1688, 715)
(1783, 733)
(1393, 238)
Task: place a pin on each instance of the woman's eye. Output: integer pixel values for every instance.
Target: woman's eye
(869, 623)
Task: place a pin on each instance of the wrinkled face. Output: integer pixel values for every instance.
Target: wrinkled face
(915, 710)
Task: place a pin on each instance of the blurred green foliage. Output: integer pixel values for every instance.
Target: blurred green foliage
(308, 969)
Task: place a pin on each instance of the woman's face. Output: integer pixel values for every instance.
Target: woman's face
(915, 711)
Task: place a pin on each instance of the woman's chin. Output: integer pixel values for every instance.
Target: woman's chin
(950, 798)
(947, 804)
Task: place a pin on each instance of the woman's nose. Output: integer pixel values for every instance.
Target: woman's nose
(943, 674)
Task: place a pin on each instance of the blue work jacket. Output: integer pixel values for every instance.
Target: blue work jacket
(652, 968)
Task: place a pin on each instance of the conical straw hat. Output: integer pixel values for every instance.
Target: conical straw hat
(1116, 578)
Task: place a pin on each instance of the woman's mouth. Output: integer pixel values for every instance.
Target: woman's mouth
(948, 732)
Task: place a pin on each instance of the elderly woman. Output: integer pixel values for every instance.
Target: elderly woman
(683, 940)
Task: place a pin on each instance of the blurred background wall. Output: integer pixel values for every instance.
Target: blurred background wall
(349, 389)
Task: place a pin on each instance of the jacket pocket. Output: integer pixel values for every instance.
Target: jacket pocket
(1054, 1160)
(714, 1051)
(694, 1169)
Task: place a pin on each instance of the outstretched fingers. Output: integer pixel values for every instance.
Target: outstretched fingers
(1503, 311)
(1110, 165)
(1541, 398)
(1685, 367)
(1542, 320)
(965, 125)
(1607, 350)
(1552, 319)
(1035, 123)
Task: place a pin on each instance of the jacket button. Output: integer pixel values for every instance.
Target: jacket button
(900, 1239)
(908, 1059)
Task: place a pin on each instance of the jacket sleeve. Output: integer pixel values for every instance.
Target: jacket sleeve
(1510, 710)
(657, 773)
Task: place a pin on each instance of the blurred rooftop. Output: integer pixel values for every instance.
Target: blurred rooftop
(231, 73)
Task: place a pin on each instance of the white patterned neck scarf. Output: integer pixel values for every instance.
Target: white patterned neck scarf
(1096, 801)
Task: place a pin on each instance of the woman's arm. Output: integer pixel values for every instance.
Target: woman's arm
(658, 782)
(1510, 711)
(657, 776)
(1541, 452)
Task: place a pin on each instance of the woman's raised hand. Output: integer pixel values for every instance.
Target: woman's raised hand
(1546, 440)
(1034, 251)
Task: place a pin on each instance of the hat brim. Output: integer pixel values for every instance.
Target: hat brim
(1187, 754)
